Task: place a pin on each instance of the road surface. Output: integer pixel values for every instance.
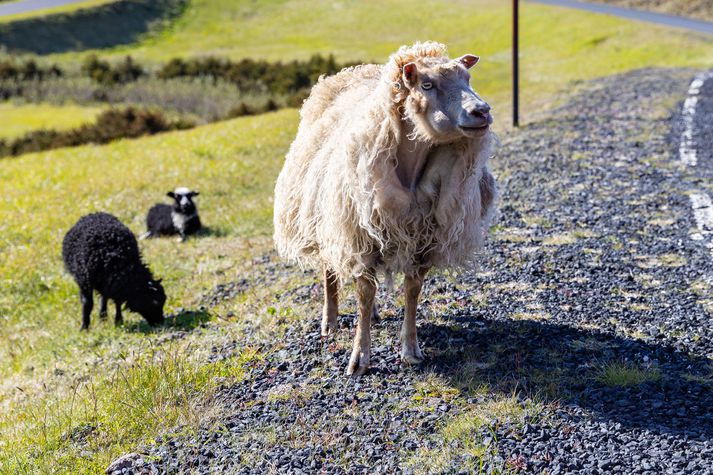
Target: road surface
(25, 6)
(637, 15)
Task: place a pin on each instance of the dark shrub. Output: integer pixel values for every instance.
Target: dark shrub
(240, 110)
(27, 71)
(108, 75)
(251, 75)
(110, 125)
(297, 99)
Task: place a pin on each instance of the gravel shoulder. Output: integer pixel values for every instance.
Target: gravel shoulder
(583, 343)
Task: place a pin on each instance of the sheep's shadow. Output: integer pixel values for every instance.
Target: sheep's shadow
(558, 363)
(211, 231)
(183, 320)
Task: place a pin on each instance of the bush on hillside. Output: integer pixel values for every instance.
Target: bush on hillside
(111, 125)
(27, 71)
(106, 74)
(252, 75)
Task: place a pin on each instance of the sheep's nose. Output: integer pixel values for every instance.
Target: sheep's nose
(481, 110)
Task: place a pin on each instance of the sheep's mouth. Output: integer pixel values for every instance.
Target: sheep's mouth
(473, 130)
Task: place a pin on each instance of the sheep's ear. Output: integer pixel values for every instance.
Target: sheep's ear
(171, 194)
(468, 60)
(195, 193)
(410, 73)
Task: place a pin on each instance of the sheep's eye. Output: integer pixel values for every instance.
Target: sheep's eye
(426, 86)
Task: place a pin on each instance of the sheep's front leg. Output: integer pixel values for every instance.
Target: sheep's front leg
(410, 352)
(361, 352)
(118, 319)
(102, 307)
(87, 300)
(331, 302)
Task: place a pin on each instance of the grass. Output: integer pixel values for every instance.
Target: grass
(467, 437)
(625, 374)
(55, 378)
(18, 119)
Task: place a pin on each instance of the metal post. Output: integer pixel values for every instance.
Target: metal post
(515, 63)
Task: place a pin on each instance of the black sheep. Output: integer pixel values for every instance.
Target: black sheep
(102, 254)
(180, 218)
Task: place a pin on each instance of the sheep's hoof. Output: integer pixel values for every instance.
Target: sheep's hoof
(329, 327)
(358, 364)
(412, 356)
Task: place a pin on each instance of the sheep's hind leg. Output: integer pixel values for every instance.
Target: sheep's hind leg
(410, 351)
(118, 319)
(361, 352)
(331, 303)
(102, 307)
(87, 300)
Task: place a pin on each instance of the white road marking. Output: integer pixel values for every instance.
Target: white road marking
(700, 201)
(687, 148)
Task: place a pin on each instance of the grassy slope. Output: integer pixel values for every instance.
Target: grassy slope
(17, 119)
(558, 45)
(58, 370)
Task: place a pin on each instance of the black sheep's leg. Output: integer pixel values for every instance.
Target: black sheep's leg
(102, 307)
(87, 300)
(118, 320)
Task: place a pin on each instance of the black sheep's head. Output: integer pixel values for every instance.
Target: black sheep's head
(147, 300)
(183, 198)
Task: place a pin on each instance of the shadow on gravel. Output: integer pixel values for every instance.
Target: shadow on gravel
(183, 320)
(561, 364)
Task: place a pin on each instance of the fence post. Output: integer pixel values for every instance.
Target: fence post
(516, 63)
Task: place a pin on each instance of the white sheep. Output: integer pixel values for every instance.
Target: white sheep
(388, 173)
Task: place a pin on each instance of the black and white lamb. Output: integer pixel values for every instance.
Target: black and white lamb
(180, 218)
(102, 254)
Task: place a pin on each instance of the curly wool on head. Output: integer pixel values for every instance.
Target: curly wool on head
(334, 205)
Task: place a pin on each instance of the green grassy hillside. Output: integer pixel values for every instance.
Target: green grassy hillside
(16, 119)
(558, 45)
(56, 378)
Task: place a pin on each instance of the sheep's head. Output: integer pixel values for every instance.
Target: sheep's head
(148, 299)
(183, 198)
(440, 101)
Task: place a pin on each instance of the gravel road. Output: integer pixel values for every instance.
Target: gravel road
(591, 267)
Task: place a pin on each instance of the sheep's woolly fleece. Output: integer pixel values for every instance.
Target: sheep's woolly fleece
(334, 203)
